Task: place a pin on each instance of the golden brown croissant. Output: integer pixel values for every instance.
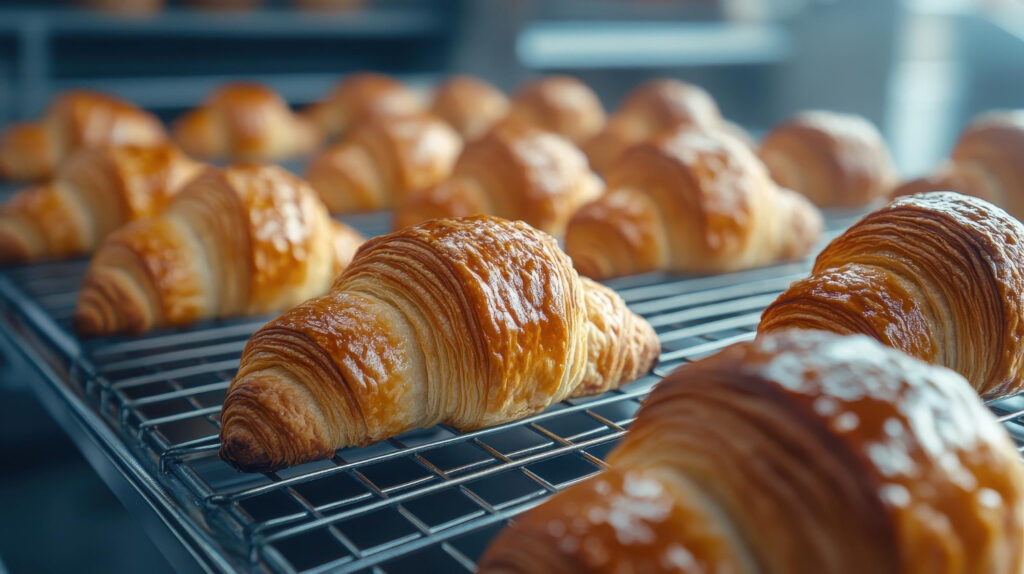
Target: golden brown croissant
(467, 322)
(653, 107)
(383, 160)
(535, 176)
(560, 104)
(833, 159)
(469, 105)
(939, 276)
(801, 452)
(986, 163)
(96, 191)
(690, 200)
(239, 241)
(359, 97)
(243, 121)
(76, 120)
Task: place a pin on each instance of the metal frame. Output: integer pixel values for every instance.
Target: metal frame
(145, 411)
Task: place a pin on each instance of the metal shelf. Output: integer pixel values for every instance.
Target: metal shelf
(146, 412)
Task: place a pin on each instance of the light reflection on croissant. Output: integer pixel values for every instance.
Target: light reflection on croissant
(75, 120)
(244, 240)
(470, 105)
(560, 104)
(359, 97)
(382, 161)
(690, 200)
(467, 322)
(535, 176)
(987, 162)
(247, 122)
(834, 159)
(801, 452)
(96, 191)
(939, 276)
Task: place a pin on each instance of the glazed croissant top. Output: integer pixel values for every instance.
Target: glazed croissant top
(469, 105)
(96, 191)
(689, 200)
(361, 96)
(238, 241)
(834, 159)
(985, 163)
(653, 107)
(535, 176)
(939, 276)
(244, 121)
(560, 104)
(75, 120)
(799, 453)
(467, 322)
(383, 160)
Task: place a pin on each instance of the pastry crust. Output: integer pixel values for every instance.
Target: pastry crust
(470, 105)
(359, 97)
(802, 452)
(559, 104)
(467, 322)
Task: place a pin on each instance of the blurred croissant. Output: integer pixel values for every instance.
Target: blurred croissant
(690, 200)
(247, 122)
(939, 276)
(833, 159)
(560, 104)
(799, 453)
(239, 241)
(470, 105)
(96, 191)
(653, 107)
(987, 162)
(75, 120)
(466, 322)
(359, 97)
(382, 161)
(535, 176)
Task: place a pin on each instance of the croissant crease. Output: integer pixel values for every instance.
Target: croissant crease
(653, 107)
(690, 200)
(248, 122)
(78, 119)
(833, 159)
(471, 106)
(359, 97)
(535, 176)
(96, 191)
(939, 276)
(382, 161)
(467, 322)
(986, 163)
(239, 241)
(802, 452)
(559, 104)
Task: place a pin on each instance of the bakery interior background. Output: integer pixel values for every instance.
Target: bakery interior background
(919, 69)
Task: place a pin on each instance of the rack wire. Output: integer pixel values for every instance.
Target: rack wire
(428, 500)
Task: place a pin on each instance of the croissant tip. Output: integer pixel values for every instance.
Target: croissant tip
(242, 449)
(107, 305)
(13, 247)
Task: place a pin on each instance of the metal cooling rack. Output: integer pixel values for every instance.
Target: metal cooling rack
(145, 410)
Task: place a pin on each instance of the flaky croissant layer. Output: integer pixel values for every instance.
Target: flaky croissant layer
(468, 322)
(802, 452)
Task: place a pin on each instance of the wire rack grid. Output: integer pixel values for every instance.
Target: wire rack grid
(429, 500)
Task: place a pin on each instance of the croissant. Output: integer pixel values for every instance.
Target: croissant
(467, 322)
(245, 121)
(470, 105)
(986, 163)
(382, 161)
(362, 96)
(560, 104)
(239, 241)
(651, 108)
(939, 276)
(833, 159)
(690, 200)
(96, 191)
(76, 120)
(535, 176)
(799, 453)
